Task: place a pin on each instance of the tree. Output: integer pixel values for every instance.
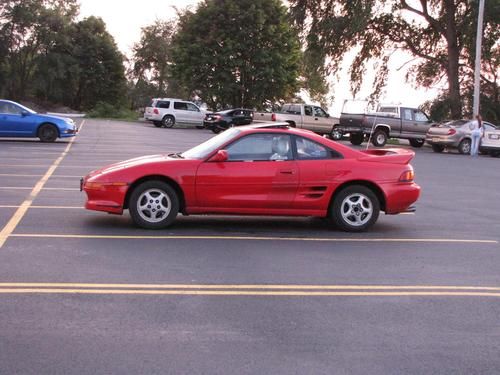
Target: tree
(29, 28)
(440, 34)
(237, 53)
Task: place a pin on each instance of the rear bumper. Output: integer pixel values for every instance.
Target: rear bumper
(401, 198)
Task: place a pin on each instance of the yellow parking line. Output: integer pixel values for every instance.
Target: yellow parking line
(30, 188)
(9, 228)
(247, 293)
(46, 207)
(35, 175)
(254, 238)
(45, 165)
(248, 286)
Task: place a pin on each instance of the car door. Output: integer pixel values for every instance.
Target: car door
(322, 122)
(319, 169)
(14, 121)
(257, 176)
(181, 112)
(194, 115)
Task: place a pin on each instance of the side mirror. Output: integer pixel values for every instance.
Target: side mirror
(327, 115)
(25, 113)
(220, 156)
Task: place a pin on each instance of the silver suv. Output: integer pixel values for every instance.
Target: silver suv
(167, 112)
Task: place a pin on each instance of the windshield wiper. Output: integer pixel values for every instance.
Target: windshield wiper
(177, 155)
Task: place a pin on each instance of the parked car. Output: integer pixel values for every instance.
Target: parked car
(457, 134)
(269, 169)
(490, 143)
(223, 120)
(302, 116)
(167, 112)
(389, 121)
(17, 120)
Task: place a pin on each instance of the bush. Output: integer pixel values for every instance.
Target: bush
(106, 110)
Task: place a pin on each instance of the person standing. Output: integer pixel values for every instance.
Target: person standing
(476, 135)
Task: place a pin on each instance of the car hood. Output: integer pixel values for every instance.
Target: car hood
(51, 117)
(130, 163)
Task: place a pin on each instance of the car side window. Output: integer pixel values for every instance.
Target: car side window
(310, 150)
(180, 106)
(261, 147)
(421, 116)
(308, 110)
(407, 114)
(163, 104)
(3, 107)
(319, 112)
(192, 107)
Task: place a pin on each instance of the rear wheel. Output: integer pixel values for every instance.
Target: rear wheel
(437, 148)
(379, 138)
(216, 130)
(154, 205)
(356, 138)
(464, 146)
(47, 133)
(336, 135)
(416, 142)
(168, 121)
(355, 208)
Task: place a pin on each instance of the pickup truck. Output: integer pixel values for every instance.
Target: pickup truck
(389, 121)
(304, 116)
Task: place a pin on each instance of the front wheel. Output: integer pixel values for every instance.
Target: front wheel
(416, 142)
(336, 135)
(47, 133)
(379, 138)
(154, 205)
(464, 146)
(356, 138)
(355, 209)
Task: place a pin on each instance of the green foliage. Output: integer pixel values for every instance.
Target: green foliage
(237, 53)
(107, 110)
(46, 54)
(440, 34)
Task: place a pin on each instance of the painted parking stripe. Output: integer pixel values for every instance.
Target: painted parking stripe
(250, 290)
(36, 175)
(253, 238)
(47, 207)
(30, 188)
(14, 221)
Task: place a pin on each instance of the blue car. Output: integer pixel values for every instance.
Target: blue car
(18, 121)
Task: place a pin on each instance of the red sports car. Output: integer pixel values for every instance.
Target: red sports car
(267, 169)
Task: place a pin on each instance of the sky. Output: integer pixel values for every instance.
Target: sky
(124, 19)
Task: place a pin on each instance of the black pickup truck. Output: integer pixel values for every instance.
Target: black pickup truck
(387, 122)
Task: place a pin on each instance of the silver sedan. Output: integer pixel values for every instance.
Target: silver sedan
(454, 134)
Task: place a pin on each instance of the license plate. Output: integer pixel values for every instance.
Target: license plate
(494, 136)
(436, 139)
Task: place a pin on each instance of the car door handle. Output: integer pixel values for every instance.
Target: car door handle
(287, 171)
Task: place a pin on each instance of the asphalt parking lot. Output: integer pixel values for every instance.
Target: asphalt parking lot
(84, 292)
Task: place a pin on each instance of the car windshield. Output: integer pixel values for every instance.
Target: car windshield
(455, 123)
(206, 148)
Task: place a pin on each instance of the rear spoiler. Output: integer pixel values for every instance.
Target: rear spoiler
(388, 155)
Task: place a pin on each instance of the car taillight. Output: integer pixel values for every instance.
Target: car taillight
(452, 131)
(273, 117)
(156, 112)
(407, 176)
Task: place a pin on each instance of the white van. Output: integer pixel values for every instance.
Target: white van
(167, 112)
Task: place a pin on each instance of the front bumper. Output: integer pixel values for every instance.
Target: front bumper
(106, 198)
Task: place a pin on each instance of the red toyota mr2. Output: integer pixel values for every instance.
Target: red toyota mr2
(267, 169)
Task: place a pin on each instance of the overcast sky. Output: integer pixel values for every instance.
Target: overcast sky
(124, 19)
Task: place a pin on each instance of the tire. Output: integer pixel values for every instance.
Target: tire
(379, 138)
(494, 154)
(48, 133)
(356, 138)
(162, 209)
(464, 146)
(216, 130)
(336, 135)
(158, 124)
(168, 121)
(437, 148)
(355, 209)
(416, 142)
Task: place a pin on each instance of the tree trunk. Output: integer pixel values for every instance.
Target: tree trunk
(452, 70)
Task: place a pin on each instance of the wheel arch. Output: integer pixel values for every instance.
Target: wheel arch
(292, 123)
(171, 182)
(383, 127)
(369, 184)
(48, 123)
